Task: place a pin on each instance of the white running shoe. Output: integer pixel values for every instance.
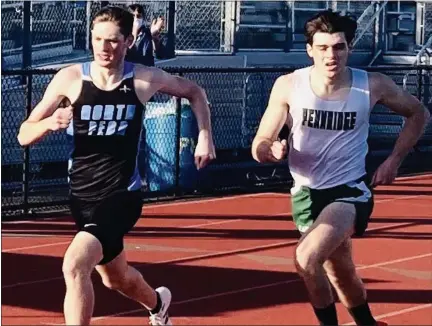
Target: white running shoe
(162, 317)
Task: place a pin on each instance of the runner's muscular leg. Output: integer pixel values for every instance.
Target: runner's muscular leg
(81, 257)
(334, 224)
(120, 276)
(341, 271)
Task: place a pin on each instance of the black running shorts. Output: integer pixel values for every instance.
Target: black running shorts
(109, 220)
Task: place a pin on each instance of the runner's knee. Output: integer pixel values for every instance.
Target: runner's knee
(307, 259)
(75, 267)
(82, 256)
(340, 267)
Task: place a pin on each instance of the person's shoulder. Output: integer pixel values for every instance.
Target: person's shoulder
(75, 67)
(284, 81)
(141, 68)
(148, 73)
(383, 88)
(379, 81)
(297, 75)
(69, 73)
(377, 77)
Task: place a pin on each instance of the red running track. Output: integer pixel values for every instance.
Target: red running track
(229, 261)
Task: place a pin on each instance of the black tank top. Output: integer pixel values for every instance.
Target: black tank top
(106, 132)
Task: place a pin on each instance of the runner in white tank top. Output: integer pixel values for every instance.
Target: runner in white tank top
(327, 107)
(328, 142)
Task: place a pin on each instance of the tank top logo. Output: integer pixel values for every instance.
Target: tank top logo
(105, 120)
(329, 120)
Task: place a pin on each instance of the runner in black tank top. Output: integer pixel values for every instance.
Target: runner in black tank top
(104, 123)
(106, 129)
(104, 180)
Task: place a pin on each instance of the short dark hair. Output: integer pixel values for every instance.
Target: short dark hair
(136, 7)
(331, 22)
(123, 18)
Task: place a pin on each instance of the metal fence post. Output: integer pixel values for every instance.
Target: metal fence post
(171, 34)
(419, 82)
(26, 163)
(427, 94)
(27, 81)
(27, 42)
(177, 144)
(88, 26)
(289, 28)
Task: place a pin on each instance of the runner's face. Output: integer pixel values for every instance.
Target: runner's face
(109, 44)
(329, 53)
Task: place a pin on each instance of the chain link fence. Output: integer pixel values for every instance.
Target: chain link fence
(166, 160)
(12, 32)
(199, 25)
(61, 29)
(13, 112)
(58, 29)
(152, 10)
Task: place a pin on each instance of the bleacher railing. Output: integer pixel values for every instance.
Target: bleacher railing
(369, 32)
(424, 56)
(34, 179)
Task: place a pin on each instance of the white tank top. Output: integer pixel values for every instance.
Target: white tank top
(328, 139)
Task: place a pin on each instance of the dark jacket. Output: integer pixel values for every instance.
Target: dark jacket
(142, 51)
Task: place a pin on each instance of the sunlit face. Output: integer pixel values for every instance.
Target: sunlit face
(329, 53)
(109, 44)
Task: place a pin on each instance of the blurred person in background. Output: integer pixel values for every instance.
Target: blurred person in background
(148, 42)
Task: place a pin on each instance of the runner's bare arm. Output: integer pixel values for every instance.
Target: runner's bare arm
(273, 119)
(152, 80)
(42, 119)
(161, 81)
(385, 91)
